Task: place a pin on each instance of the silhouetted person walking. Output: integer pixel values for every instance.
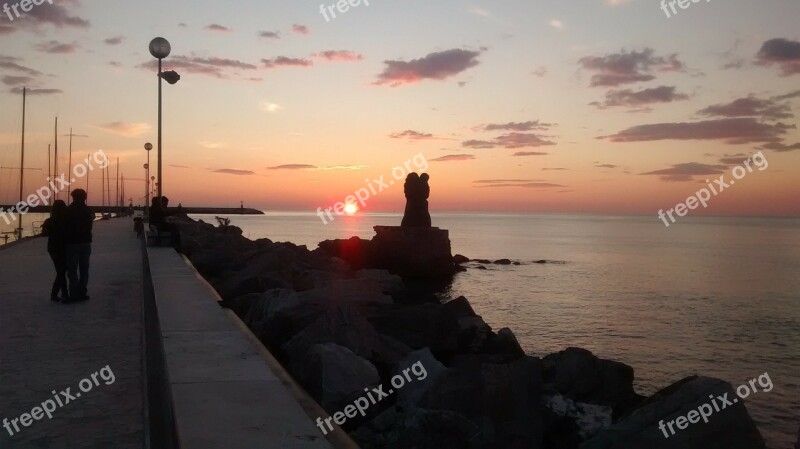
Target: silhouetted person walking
(55, 228)
(79, 245)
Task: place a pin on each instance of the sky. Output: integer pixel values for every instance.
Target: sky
(581, 106)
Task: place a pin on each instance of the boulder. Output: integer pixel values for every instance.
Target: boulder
(458, 259)
(421, 361)
(502, 399)
(581, 376)
(411, 427)
(334, 375)
(588, 418)
(730, 428)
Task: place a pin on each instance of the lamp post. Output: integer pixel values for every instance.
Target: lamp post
(148, 146)
(160, 49)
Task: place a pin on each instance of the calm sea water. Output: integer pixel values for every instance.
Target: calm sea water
(712, 296)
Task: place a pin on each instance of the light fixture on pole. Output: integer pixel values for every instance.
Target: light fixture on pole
(160, 49)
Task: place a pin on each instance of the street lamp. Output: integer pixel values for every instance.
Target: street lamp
(148, 146)
(160, 49)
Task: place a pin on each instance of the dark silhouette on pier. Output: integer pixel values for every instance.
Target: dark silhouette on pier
(55, 228)
(79, 245)
(417, 191)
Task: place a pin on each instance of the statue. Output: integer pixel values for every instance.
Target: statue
(417, 191)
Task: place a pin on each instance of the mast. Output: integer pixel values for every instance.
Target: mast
(48, 163)
(22, 162)
(55, 159)
(87, 182)
(116, 192)
(69, 170)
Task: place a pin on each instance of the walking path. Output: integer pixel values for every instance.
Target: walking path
(46, 346)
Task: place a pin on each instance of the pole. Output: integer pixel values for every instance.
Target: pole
(116, 192)
(87, 182)
(160, 185)
(22, 161)
(55, 161)
(69, 170)
(147, 182)
(48, 163)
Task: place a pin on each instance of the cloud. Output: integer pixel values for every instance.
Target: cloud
(629, 67)
(36, 91)
(729, 130)
(56, 47)
(300, 29)
(781, 147)
(233, 171)
(11, 80)
(266, 106)
(11, 63)
(218, 28)
(511, 140)
(116, 40)
(529, 153)
(479, 11)
(630, 98)
(56, 15)
(7, 29)
(781, 52)
(503, 181)
(554, 169)
(555, 23)
(114, 64)
(519, 183)
(125, 129)
(269, 34)
(454, 157)
(179, 166)
(531, 125)
(339, 55)
(211, 145)
(599, 165)
(212, 66)
(292, 167)
(788, 96)
(415, 135)
(750, 106)
(341, 167)
(283, 61)
(540, 71)
(686, 171)
(435, 66)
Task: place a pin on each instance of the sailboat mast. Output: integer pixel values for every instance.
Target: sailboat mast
(69, 170)
(116, 192)
(22, 161)
(55, 159)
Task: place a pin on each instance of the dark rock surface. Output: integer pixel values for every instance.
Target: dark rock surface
(341, 324)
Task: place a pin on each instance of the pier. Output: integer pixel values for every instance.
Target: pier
(186, 372)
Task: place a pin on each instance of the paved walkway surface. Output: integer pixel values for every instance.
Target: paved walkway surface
(46, 346)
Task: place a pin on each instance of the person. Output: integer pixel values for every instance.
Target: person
(158, 217)
(79, 245)
(54, 228)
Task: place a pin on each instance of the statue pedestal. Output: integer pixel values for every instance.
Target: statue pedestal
(412, 251)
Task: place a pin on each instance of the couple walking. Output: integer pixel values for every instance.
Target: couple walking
(69, 242)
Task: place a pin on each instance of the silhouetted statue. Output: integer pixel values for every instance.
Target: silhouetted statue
(417, 192)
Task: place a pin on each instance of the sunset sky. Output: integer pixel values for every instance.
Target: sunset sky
(595, 106)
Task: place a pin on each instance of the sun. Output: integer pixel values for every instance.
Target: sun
(350, 208)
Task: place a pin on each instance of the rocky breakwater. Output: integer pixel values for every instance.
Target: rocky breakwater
(344, 329)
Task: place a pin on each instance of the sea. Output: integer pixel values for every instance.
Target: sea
(712, 296)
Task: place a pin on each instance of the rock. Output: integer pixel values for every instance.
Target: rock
(409, 427)
(581, 376)
(413, 251)
(481, 267)
(423, 361)
(516, 263)
(505, 342)
(503, 400)
(458, 259)
(485, 261)
(389, 283)
(588, 418)
(540, 261)
(502, 262)
(355, 251)
(730, 428)
(346, 327)
(334, 375)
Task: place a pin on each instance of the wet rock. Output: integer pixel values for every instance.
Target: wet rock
(410, 427)
(730, 428)
(458, 259)
(502, 262)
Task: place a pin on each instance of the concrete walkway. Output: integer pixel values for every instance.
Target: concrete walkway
(46, 346)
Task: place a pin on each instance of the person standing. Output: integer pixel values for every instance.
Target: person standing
(79, 245)
(55, 229)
